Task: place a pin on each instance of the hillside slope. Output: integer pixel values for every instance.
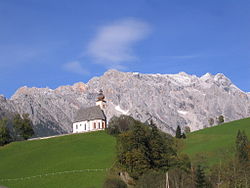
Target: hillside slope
(217, 143)
(61, 162)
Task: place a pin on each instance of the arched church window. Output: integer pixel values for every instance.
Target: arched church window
(103, 125)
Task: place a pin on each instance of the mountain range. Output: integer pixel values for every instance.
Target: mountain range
(168, 99)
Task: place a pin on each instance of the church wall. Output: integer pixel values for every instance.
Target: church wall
(85, 126)
(82, 126)
(96, 124)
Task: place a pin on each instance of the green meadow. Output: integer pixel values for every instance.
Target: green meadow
(216, 143)
(83, 160)
(71, 161)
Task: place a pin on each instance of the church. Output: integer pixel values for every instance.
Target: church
(91, 118)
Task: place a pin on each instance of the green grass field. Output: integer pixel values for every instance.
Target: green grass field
(94, 150)
(217, 143)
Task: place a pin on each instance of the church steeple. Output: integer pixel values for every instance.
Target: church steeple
(100, 100)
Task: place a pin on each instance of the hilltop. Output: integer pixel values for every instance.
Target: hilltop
(168, 99)
(72, 161)
(216, 143)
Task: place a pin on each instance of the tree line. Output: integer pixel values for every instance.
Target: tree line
(144, 154)
(19, 127)
(146, 157)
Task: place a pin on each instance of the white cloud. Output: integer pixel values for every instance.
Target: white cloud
(113, 43)
(75, 67)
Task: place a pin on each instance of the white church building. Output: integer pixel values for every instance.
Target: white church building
(91, 118)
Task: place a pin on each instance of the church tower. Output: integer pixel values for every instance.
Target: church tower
(100, 100)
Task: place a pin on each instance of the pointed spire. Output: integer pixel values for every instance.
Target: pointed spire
(100, 96)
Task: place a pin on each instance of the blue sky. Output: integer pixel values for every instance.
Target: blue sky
(52, 43)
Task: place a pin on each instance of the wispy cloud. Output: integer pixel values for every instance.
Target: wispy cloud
(113, 43)
(75, 67)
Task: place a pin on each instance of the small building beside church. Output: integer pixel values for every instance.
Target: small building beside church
(91, 118)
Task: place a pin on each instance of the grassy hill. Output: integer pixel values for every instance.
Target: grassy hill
(217, 142)
(54, 156)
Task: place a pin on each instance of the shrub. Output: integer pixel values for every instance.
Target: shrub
(5, 137)
(220, 119)
(152, 179)
(23, 126)
(114, 183)
(187, 129)
(120, 124)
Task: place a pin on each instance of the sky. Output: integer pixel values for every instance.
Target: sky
(50, 43)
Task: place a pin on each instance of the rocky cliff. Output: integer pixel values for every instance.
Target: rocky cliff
(168, 99)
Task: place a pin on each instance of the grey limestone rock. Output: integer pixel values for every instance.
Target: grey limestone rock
(168, 99)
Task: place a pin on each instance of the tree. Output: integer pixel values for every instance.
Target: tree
(5, 137)
(180, 179)
(220, 119)
(133, 150)
(178, 132)
(142, 148)
(23, 126)
(242, 147)
(152, 179)
(200, 181)
(183, 136)
(187, 129)
(120, 124)
(159, 150)
(180, 172)
(211, 121)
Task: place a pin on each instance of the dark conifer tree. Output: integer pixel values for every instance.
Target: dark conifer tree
(178, 132)
(158, 150)
(200, 179)
(242, 147)
(183, 136)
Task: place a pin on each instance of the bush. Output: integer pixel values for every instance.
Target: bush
(211, 121)
(187, 129)
(5, 137)
(23, 126)
(114, 183)
(120, 124)
(220, 119)
(152, 179)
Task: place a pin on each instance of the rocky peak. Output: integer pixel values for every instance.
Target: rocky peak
(77, 87)
(2, 97)
(26, 91)
(206, 77)
(221, 79)
(168, 99)
(112, 72)
(80, 86)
